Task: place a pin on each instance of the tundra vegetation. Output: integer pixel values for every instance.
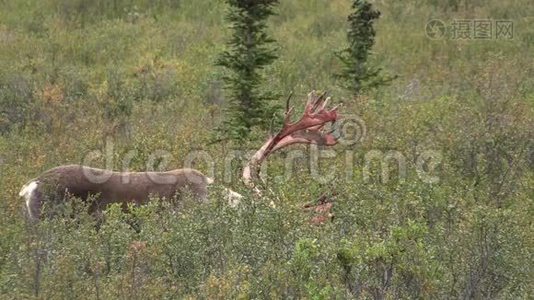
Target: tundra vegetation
(128, 79)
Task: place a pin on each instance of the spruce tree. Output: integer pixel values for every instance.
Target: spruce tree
(250, 49)
(357, 74)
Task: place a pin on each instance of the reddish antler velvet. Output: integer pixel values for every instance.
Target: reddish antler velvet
(308, 129)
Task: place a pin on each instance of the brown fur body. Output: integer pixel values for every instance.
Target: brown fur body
(107, 187)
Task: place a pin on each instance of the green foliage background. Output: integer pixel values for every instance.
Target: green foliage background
(75, 75)
(250, 49)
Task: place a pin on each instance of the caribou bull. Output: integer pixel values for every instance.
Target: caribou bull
(105, 187)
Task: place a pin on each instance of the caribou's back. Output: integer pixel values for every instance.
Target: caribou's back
(104, 187)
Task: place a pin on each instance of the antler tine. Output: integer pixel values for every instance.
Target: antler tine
(287, 117)
(312, 98)
(289, 110)
(322, 96)
(288, 99)
(325, 103)
(317, 101)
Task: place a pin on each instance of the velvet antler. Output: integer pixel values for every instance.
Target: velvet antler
(309, 129)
